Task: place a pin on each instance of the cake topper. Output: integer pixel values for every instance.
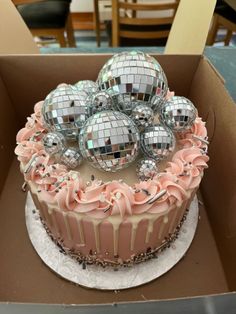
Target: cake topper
(133, 78)
(109, 140)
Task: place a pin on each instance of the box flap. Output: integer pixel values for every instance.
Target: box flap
(15, 35)
(190, 27)
(219, 182)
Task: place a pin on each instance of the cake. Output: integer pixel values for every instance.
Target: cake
(112, 218)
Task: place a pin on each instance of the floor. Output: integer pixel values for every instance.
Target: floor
(86, 40)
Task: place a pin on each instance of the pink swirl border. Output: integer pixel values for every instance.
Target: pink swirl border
(56, 186)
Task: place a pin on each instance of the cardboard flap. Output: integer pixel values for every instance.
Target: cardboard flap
(7, 133)
(15, 35)
(219, 181)
(190, 27)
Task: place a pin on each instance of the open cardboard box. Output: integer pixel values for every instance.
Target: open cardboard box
(209, 265)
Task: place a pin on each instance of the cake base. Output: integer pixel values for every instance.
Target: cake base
(96, 277)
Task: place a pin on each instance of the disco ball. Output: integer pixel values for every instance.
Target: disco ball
(109, 140)
(54, 143)
(71, 157)
(157, 142)
(65, 110)
(133, 78)
(88, 86)
(146, 169)
(99, 101)
(142, 115)
(178, 113)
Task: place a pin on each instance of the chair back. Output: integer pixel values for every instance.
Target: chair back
(127, 19)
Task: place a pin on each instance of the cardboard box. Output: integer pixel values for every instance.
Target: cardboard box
(209, 265)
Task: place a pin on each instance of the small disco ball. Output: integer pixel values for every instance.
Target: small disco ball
(178, 114)
(133, 78)
(65, 110)
(109, 140)
(100, 101)
(146, 169)
(142, 115)
(71, 157)
(157, 142)
(88, 86)
(54, 143)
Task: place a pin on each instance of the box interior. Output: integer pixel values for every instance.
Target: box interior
(207, 268)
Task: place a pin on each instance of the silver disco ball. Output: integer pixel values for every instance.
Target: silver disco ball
(178, 114)
(54, 143)
(65, 110)
(146, 169)
(71, 157)
(142, 115)
(109, 140)
(157, 142)
(133, 78)
(100, 101)
(88, 86)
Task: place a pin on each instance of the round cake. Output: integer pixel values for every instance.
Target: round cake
(97, 199)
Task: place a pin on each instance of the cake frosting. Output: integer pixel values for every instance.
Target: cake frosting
(111, 223)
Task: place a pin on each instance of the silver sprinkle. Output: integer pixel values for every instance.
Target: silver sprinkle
(200, 139)
(157, 196)
(23, 188)
(30, 164)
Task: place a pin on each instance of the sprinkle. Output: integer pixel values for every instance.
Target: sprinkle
(103, 199)
(118, 195)
(157, 196)
(146, 192)
(23, 188)
(106, 209)
(92, 177)
(30, 164)
(201, 139)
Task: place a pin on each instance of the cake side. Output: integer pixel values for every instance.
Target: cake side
(111, 221)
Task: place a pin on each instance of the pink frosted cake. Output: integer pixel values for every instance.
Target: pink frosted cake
(114, 217)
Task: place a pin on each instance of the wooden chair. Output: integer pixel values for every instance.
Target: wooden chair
(48, 18)
(127, 25)
(224, 17)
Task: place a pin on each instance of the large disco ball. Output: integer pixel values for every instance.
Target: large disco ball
(109, 140)
(179, 113)
(65, 110)
(157, 142)
(132, 78)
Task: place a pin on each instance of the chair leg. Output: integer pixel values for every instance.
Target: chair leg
(61, 38)
(70, 32)
(97, 22)
(213, 31)
(115, 24)
(228, 37)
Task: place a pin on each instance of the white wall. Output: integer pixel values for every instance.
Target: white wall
(81, 6)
